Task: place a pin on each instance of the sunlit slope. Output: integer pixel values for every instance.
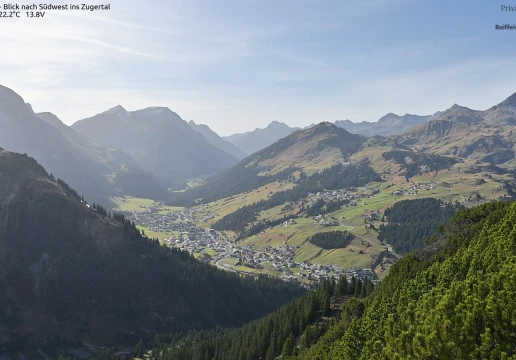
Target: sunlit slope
(458, 303)
(315, 148)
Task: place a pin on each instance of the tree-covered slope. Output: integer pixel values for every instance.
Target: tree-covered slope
(301, 321)
(456, 299)
(68, 271)
(410, 222)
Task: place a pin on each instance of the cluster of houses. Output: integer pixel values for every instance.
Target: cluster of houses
(287, 223)
(325, 220)
(198, 240)
(321, 272)
(155, 220)
(280, 257)
(352, 198)
(415, 188)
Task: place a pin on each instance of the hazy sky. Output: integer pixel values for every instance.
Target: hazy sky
(237, 65)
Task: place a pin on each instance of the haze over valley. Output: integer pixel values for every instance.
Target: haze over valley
(318, 203)
(242, 180)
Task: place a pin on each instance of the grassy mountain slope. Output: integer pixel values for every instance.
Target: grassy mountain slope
(69, 272)
(310, 150)
(503, 113)
(159, 140)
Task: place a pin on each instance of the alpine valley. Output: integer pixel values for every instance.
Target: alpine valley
(138, 235)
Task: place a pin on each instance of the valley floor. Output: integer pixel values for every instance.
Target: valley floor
(284, 250)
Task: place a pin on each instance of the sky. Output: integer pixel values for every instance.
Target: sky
(236, 65)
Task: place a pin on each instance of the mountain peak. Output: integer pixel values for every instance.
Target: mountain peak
(159, 112)
(510, 101)
(159, 140)
(457, 107)
(388, 117)
(252, 141)
(29, 106)
(50, 118)
(12, 98)
(324, 124)
(119, 109)
(347, 121)
(277, 125)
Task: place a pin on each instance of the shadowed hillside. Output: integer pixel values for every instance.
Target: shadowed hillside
(95, 170)
(71, 272)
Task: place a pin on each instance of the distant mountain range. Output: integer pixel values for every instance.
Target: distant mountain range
(252, 141)
(389, 124)
(95, 170)
(392, 124)
(213, 138)
(156, 149)
(159, 140)
(486, 135)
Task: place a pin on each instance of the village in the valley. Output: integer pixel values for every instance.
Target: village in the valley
(222, 251)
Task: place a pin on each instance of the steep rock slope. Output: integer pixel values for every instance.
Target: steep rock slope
(213, 138)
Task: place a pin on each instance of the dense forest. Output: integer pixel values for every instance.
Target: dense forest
(332, 239)
(302, 322)
(337, 177)
(455, 299)
(418, 163)
(410, 222)
(87, 274)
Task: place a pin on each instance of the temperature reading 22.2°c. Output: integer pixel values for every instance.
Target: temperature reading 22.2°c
(18, 14)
